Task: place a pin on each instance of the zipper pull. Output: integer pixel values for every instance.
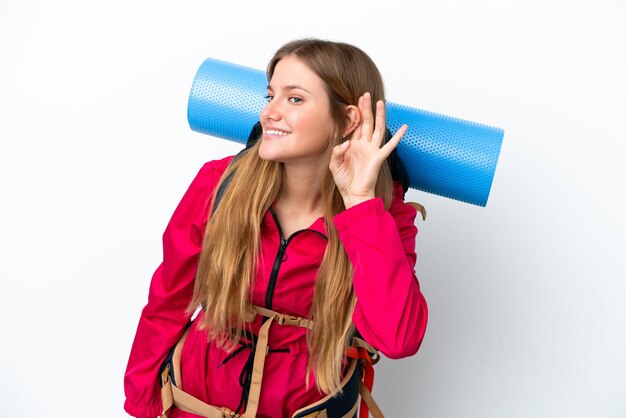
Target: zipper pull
(283, 249)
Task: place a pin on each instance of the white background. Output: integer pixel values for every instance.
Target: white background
(526, 296)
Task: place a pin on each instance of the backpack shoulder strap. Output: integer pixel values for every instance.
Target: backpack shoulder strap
(255, 134)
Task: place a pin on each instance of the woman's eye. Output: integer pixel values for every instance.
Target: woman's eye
(295, 100)
(269, 98)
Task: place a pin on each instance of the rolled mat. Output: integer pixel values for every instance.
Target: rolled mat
(443, 155)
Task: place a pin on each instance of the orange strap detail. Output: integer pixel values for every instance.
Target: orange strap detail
(372, 405)
(368, 374)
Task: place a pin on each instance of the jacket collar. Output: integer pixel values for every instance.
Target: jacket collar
(318, 225)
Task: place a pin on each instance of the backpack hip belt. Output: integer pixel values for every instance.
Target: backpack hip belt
(359, 379)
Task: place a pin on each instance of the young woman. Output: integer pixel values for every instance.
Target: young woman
(308, 223)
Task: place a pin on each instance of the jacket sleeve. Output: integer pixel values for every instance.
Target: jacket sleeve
(163, 319)
(391, 312)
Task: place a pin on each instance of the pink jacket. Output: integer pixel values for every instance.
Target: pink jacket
(390, 314)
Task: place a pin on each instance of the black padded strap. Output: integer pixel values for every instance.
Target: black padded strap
(255, 134)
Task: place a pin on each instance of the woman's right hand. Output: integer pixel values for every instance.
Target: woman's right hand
(355, 163)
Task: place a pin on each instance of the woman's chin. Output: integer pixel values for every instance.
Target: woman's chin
(267, 155)
(268, 152)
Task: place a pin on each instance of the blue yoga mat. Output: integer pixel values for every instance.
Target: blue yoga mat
(443, 155)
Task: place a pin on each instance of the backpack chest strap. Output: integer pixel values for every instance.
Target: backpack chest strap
(281, 319)
(260, 351)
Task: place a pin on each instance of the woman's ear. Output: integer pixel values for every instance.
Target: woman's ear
(353, 119)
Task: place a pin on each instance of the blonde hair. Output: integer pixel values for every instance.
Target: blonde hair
(232, 238)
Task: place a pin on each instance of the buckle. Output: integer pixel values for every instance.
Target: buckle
(288, 320)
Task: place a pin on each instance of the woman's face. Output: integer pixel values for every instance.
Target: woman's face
(296, 121)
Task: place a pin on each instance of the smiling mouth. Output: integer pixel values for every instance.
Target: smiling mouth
(276, 132)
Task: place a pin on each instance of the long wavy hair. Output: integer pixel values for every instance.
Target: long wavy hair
(231, 247)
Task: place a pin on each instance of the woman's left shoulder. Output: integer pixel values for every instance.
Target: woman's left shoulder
(196, 201)
(212, 170)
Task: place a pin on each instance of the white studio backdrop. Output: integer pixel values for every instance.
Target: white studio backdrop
(527, 317)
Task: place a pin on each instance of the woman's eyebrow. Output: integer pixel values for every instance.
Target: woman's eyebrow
(290, 87)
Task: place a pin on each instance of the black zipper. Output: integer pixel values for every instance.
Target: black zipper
(246, 373)
(269, 294)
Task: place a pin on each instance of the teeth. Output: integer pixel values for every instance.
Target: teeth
(274, 132)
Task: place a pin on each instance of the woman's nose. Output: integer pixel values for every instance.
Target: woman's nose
(270, 111)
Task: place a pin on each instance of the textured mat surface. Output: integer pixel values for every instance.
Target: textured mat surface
(443, 155)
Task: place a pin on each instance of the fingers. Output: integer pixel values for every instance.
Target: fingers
(381, 126)
(393, 142)
(338, 154)
(365, 104)
(374, 130)
(359, 127)
(370, 129)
